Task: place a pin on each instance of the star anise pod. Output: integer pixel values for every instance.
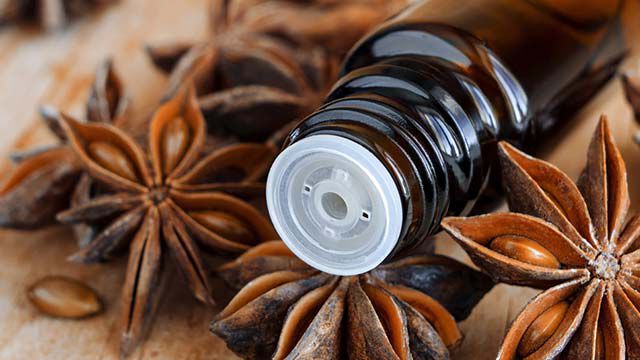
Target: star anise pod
(572, 240)
(173, 200)
(253, 76)
(632, 90)
(49, 14)
(44, 179)
(335, 25)
(401, 310)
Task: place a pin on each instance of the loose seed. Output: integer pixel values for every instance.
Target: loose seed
(175, 140)
(542, 328)
(112, 158)
(525, 250)
(63, 297)
(225, 225)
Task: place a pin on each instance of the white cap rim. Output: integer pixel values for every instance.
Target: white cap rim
(378, 175)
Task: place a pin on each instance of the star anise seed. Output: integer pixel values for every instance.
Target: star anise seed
(576, 243)
(64, 297)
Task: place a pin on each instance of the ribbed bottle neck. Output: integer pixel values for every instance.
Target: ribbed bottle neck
(433, 128)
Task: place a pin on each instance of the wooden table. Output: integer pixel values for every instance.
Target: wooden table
(57, 69)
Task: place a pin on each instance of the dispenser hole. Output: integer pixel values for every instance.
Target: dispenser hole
(334, 205)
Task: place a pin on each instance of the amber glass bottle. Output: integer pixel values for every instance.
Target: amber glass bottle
(408, 135)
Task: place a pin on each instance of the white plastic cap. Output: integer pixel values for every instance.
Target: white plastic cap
(334, 204)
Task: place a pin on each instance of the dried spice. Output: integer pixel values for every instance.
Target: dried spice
(44, 179)
(632, 90)
(248, 84)
(572, 240)
(335, 25)
(285, 309)
(267, 63)
(49, 14)
(63, 297)
(174, 199)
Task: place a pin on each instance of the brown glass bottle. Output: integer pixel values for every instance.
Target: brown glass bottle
(421, 105)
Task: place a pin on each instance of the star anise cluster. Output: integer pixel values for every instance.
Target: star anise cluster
(45, 178)
(268, 63)
(576, 242)
(174, 200)
(49, 14)
(401, 310)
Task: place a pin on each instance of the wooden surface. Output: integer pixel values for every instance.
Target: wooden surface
(57, 69)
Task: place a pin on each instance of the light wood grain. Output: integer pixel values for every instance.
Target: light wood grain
(57, 69)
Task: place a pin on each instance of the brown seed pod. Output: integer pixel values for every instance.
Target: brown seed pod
(285, 309)
(173, 199)
(269, 63)
(174, 143)
(112, 158)
(542, 328)
(64, 297)
(226, 225)
(590, 306)
(525, 250)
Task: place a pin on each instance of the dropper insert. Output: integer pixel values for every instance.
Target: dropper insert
(334, 204)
